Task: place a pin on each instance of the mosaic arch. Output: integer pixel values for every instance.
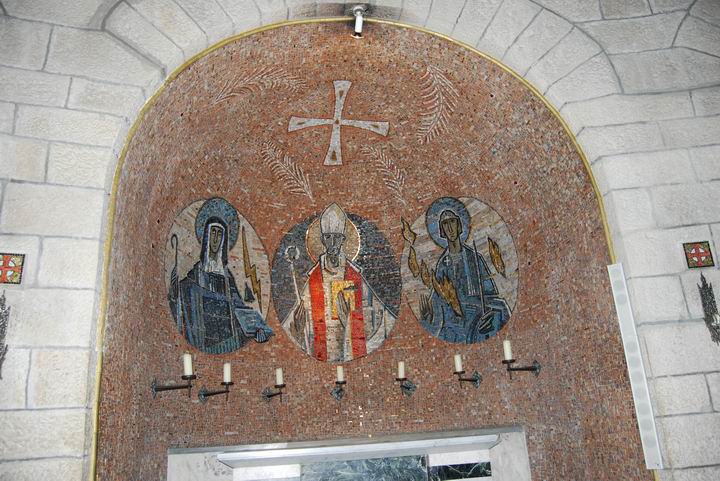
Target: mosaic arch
(288, 122)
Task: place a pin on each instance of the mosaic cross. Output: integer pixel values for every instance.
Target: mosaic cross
(698, 254)
(334, 153)
(11, 267)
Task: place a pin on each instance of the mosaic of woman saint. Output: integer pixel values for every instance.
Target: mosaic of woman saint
(458, 297)
(337, 316)
(209, 309)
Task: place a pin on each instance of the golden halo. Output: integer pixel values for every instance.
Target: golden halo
(314, 245)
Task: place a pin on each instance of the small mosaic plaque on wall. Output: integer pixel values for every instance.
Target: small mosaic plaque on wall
(11, 268)
(698, 254)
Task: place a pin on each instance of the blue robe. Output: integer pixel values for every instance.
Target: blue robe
(205, 309)
(482, 316)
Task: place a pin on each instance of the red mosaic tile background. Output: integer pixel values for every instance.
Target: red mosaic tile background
(502, 146)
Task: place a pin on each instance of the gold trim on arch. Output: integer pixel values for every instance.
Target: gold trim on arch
(103, 302)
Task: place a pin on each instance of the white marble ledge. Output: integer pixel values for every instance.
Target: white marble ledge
(291, 454)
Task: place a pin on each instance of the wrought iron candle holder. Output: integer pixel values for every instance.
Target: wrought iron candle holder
(339, 390)
(535, 367)
(268, 393)
(155, 388)
(204, 394)
(406, 386)
(476, 378)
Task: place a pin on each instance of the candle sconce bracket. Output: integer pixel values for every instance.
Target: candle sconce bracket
(475, 378)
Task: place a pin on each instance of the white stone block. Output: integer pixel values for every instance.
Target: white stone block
(474, 19)
(684, 348)
(72, 164)
(574, 10)
(706, 161)
(706, 101)
(713, 380)
(659, 252)
(124, 101)
(699, 35)
(245, 15)
(624, 8)
(23, 44)
(69, 263)
(444, 15)
(415, 12)
(708, 10)
(690, 281)
(14, 378)
(391, 9)
(301, 9)
(646, 169)
(657, 299)
(631, 209)
(58, 378)
(681, 395)
(692, 132)
(22, 159)
(52, 210)
(567, 55)
(212, 19)
(30, 246)
(53, 317)
(68, 469)
(545, 31)
(327, 8)
(620, 139)
(510, 20)
(172, 20)
(87, 53)
(68, 125)
(272, 11)
(669, 69)
(710, 473)
(77, 13)
(692, 440)
(41, 434)
(594, 78)
(7, 117)
(624, 109)
(635, 34)
(128, 25)
(664, 6)
(687, 204)
(26, 86)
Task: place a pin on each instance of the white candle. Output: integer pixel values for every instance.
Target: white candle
(187, 364)
(458, 363)
(340, 374)
(227, 376)
(507, 349)
(401, 370)
(278, 376)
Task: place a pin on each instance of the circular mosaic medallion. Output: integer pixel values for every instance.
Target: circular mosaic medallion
(460, 270)
(336, 286)
(217, 278)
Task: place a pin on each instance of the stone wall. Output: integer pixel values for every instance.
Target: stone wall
(637, 81)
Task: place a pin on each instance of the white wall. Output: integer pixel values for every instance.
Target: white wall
(637, 80)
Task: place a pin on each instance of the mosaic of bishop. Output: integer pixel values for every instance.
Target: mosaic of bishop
(338, 317)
